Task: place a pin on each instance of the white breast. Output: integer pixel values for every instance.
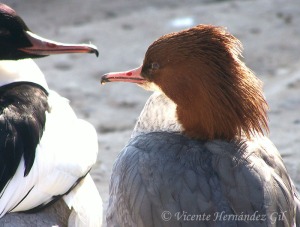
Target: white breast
(159, 114)
(21, 70)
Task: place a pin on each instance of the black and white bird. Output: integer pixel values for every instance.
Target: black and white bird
(46, 152)
(199, 155)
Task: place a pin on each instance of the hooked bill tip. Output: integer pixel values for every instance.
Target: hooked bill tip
(95, 51)
(104, 79)
(92, 49)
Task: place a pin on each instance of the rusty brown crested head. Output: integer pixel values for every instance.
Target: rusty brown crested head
(217, 96)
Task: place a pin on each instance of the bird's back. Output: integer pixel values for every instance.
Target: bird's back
(65, 153)
(166, 179)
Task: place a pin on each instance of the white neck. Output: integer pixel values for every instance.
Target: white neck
(159, 114)
(21, 70)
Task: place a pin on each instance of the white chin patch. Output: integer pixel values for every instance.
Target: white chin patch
(150, 86)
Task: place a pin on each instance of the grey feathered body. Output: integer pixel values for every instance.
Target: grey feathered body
(159, 172)
(55, 215)
(166, 179)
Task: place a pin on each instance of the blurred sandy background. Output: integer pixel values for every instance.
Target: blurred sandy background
(122, 30)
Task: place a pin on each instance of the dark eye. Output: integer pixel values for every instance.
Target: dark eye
(154, 66)
(4, 32)
(149, 70)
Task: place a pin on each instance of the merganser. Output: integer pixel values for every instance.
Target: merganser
(199, 155)
(46, 152)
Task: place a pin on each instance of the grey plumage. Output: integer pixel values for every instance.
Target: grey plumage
(198, 154)
(163, 172)
(55, 215)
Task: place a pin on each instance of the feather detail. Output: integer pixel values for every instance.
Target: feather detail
(86, 203)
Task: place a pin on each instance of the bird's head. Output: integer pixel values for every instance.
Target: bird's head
(217, 96)
(18, 42)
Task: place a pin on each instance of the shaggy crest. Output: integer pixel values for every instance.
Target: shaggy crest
(217, 95)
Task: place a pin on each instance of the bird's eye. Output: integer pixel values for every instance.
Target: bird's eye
(4, 32)
(154, 66)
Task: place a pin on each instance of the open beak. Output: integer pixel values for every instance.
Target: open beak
(132, 76)
(43, 47)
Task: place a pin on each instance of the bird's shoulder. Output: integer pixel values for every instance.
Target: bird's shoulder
(23, 107)
(44, 147)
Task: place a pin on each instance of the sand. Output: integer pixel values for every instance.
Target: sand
(122, 30)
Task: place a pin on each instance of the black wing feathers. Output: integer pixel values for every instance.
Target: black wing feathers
(23, 107)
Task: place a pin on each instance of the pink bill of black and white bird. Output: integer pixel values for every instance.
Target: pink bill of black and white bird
(46, 152)
(199, 154)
